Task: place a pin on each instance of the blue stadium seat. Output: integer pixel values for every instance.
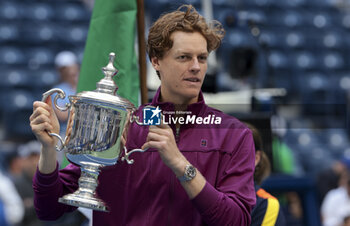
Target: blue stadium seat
(43, 79)
(333, 39)
(278, 60)
(316, 94)
(304, 60)
(256, 3)
(295, 40)
(292, 19)
(9, 32)
(238, 37)
(228, 17)
(337, 140)
(345, 21)
(14, 78)
(74, 34)
(288, 4)
(321, 20)
(271, 39)
(10, 10)
(11, 56)
(40, 56)
(70, 12)
(332, 61)
(17, 100)
(37, 11)
(43, 32)
(287, 18)
(251, 17)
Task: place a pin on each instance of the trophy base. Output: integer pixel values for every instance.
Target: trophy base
(84, 201)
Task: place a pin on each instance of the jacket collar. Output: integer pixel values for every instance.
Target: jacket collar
(194, 109)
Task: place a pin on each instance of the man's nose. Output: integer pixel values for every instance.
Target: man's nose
(195, 67)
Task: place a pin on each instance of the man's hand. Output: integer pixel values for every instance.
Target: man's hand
(44, 120)
(162, 138)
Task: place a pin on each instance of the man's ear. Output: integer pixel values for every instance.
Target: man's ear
(155, 63)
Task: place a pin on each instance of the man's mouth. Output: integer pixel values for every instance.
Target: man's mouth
(192, 79)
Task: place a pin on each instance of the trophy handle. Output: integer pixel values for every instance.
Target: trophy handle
(60, 95)
(134, 118)
(127, 154)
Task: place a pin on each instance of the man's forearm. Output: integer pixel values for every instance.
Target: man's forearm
(47, 160)
(194, 186)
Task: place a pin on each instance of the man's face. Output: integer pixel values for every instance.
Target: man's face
(182, 68)
(70, 74)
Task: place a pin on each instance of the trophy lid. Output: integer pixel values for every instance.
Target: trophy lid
(106, 88)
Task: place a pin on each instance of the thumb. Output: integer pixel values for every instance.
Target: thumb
(49, 103)
(145, 145)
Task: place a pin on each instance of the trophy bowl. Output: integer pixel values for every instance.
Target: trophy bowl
(96, 123)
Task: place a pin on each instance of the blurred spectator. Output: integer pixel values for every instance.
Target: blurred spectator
(89, 4)
(2, 215)
(29, 154)
(10, 201)
(68, 68)
(336, 204)
(14, 164)
(346, 221)
(267, 209)
(330, 178)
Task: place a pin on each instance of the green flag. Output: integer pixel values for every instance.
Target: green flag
(112, 29)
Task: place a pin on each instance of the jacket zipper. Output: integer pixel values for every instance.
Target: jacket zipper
(171, 192)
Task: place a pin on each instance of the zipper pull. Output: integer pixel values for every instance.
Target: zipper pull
(177, 134)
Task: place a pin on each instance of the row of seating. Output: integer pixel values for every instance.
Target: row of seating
(317, 148)
(31, 57)
(42, 33)
(43, 11)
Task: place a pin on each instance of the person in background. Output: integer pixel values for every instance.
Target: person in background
(346, 221)
(336, 204)
(330, 178)
(29, 154)
(66, 63)
(192, 174)
(267, 210)
(67, 66)
(11, 203)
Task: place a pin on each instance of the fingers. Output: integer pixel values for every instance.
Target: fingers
(42, 127)
(161, 129)
(38, 111)
(40, 119)
(158, 138)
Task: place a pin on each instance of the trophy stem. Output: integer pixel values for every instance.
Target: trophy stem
(85, 196)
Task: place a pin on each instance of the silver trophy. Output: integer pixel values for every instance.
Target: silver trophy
(95, 127)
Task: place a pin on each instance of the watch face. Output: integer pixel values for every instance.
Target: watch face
(191, 172)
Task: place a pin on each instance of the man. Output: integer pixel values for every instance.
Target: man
(191, 174)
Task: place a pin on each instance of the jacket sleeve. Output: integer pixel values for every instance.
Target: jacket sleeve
(230, 201)
(48, 188)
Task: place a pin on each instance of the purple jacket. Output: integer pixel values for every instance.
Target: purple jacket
(148, 193)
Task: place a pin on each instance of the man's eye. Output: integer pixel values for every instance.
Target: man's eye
(203, 58)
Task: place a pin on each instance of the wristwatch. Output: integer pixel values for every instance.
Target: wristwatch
(190, 173)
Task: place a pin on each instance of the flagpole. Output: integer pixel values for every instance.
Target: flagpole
(142, 50)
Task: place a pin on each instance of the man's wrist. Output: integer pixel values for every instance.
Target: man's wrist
(180, 166)
(189, 174)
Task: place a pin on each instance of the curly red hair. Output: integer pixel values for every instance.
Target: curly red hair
(186, 19)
